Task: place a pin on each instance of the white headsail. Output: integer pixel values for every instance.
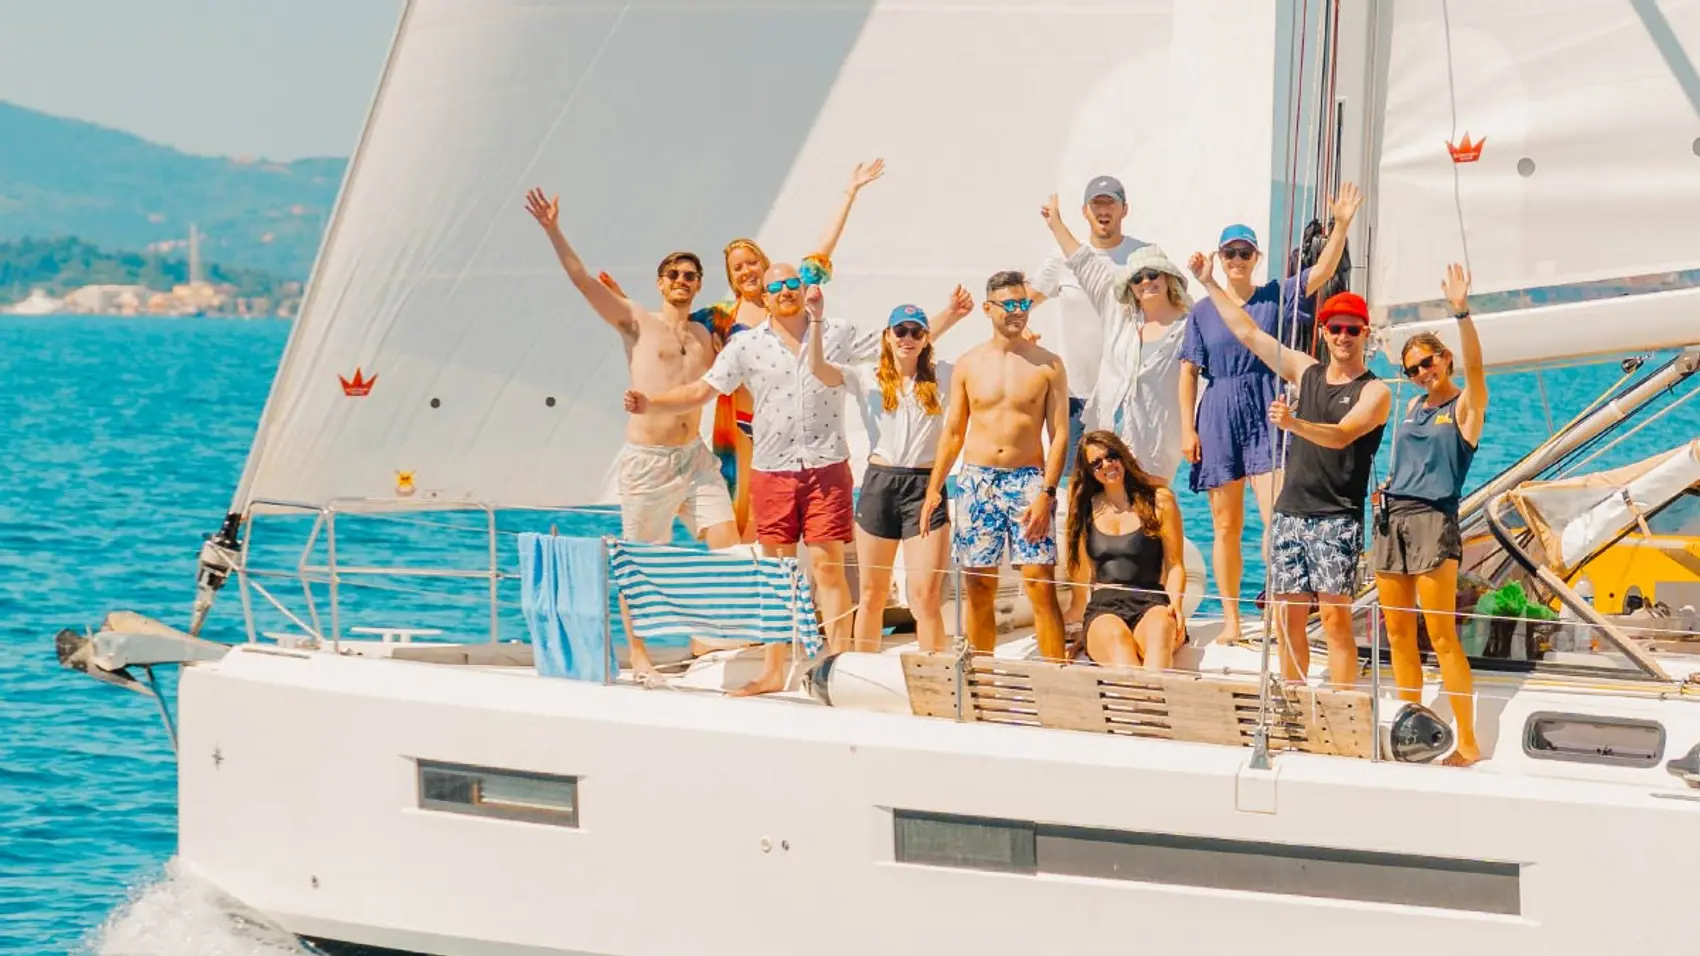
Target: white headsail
(1582, 164)
(668, 126)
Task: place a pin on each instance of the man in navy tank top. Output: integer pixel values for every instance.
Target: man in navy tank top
(1317, 536)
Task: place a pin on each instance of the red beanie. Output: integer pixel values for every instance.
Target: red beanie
(1344, 305)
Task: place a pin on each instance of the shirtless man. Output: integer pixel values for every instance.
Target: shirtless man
(801, 482)
(664, 469)
(1011, 389)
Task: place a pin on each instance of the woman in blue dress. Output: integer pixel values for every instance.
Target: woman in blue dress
(1226, 433)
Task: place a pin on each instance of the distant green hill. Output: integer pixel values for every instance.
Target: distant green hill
(61, 177)
(61, 265)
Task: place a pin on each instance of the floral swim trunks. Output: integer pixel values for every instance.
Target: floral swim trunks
(992, 501)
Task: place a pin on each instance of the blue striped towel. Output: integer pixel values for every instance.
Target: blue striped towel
(677, 593)
(563, 593)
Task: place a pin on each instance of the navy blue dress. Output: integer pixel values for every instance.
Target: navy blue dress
(1234, 434)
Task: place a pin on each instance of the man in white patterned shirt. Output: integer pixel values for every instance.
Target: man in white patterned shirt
(800, 482)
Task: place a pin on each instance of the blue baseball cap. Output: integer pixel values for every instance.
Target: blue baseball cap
(1239, 232)
(907, 313)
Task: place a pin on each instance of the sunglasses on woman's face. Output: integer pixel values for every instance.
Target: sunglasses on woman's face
(1145, 275)
(1102, 462)
(1349, 331)
(909, 330)
(793, 283)
(1422, 365)
(687, 275)
(1237, 252)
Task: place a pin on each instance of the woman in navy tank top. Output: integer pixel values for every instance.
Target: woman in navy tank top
(1417, 546)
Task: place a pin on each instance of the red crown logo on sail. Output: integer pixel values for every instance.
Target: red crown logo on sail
(1466, 151)
(357, 386)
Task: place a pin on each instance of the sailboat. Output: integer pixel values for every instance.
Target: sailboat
(444, 798)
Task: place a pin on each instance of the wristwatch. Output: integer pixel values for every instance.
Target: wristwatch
(1051, 491)
(1461, 315)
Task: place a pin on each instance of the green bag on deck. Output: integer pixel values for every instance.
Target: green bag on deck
(1510, 607)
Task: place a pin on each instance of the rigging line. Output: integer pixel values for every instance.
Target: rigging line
(1452, 103)
(1573, 469)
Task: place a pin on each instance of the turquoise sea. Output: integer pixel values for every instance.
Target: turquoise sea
(122, 441)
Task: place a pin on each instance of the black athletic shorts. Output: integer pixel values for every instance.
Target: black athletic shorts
(889, 505)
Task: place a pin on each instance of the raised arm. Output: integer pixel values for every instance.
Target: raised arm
(863, 174)
(615, 310)
(1369, 413)
(1059, 229)
(828, 373)
(1290, 364)
(1342, 209)
(951, 438)
(1472, 405)
(961, 303)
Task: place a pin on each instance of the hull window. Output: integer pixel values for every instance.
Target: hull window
(982, 843)
(1585, 738)
(502, 794)
(974, 843)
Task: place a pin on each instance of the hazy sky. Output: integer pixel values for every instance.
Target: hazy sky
(276, 78)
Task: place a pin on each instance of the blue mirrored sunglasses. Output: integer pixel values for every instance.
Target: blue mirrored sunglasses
(792, 283)
(1013, 306)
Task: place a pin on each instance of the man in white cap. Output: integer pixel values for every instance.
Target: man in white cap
(1077, 313)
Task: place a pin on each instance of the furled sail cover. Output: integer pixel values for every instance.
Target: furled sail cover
(1575, 517)
(484, 378)
(1583, 160)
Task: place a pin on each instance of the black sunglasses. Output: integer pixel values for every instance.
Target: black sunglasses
(1100, 462)
(1422, 365)
(1144, 276)
(909, 330)
(687, 275)
(1238, 252)
(1349, 331)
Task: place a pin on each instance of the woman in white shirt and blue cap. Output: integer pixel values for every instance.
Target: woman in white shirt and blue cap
(902, 402)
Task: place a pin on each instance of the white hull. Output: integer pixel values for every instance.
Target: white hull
(712, 825)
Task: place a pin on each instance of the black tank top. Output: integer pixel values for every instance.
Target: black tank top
(1328, 482)
(1133, 560)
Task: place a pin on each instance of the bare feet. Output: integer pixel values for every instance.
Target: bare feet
(642, 667)
(1458, 758)
(1230, 629)
(765, 684)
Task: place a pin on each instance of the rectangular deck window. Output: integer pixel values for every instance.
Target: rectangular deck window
(1585, 738)
(982, 843)
(502, 794)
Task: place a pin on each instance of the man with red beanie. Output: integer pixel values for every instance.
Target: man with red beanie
(1317, 536)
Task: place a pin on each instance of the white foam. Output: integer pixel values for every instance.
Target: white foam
(181, 915)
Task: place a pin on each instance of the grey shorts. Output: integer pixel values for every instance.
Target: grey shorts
(1311, 555)
(1418, 538)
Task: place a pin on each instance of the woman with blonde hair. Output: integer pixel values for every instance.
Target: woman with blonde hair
(1417, 546)
(1124, 539)
(901, 400)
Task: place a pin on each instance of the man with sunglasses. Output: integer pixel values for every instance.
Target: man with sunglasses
(1317, 535)
(1011, 391)
(800, 481)
(1083, 319)
(664, 470)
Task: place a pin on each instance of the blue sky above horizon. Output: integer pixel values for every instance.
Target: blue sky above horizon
(280, 79)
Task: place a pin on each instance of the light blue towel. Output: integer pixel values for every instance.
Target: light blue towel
(675, 594)
(564, 596)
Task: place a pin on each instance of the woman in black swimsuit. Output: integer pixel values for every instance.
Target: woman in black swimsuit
(1125, 538)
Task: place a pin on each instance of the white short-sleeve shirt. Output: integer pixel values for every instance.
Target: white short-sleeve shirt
(798, 420)
(907, 437)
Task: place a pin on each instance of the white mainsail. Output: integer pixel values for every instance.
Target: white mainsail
(667, 126)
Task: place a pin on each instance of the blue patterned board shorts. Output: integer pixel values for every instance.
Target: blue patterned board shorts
(992, 501)
(1315, 555)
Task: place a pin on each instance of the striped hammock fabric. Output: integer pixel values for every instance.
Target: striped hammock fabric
(675, 594)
